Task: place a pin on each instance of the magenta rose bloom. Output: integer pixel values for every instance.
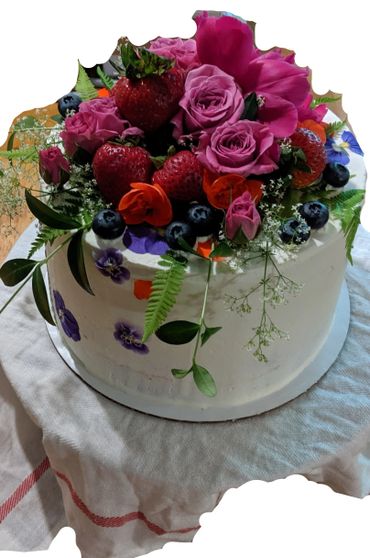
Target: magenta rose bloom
(96, 122)
(243, 148)
(305, 112)
(53, 166)
(183, 51)
(211, 98)
(242, 215)
(225, 42)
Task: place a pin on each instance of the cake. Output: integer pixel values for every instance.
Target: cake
(198, 221)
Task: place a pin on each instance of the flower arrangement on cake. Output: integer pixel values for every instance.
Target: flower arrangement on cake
(203, 148)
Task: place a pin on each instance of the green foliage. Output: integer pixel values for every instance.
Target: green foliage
(108, 82)
(178, 332)
(165, 288)
(46, 235)
(139, 62)
(334, 127)
(48, 216)
(84, 86)
(76, 261)
(222, 250)
(250, 107)
(346, 206)
(26, 154)
(323, 101)
(208, 332)
(40, 295)
(14, 271)
(203, 380)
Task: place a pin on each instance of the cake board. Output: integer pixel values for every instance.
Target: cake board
(311, 374)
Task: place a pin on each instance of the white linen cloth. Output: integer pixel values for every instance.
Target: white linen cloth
(131, 482)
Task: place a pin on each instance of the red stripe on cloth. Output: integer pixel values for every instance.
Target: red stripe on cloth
(23, 489)
(118, 520)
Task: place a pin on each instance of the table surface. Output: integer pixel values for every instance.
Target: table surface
(116, 459)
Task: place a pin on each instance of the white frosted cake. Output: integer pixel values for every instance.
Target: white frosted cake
(197, 211)
(141, 378)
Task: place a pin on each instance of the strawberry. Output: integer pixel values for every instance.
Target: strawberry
(181, 177)
(149, 94)
(116, 166)
(310, 144)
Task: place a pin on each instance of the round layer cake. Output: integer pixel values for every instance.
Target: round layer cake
(100, 336)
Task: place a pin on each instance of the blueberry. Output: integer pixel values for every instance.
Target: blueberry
(202, 219)
(179, 229)
(336, 175)
(315, 213)
(108, 224)
(68, 103)
(293, 231)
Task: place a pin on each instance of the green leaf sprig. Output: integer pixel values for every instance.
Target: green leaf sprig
(180, 332)
(20, 270)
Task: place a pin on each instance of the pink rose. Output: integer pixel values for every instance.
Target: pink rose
(278, 76)
(243, 148)
(53, 166)
(211, 98)
(96, 122)
(184, 51)
(242, 215)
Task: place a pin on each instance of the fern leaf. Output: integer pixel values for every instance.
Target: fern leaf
(26, 154)
(334, 127)
(166, 286)
(347, 198)
(46, 234)
(323, 101)
(350, 231)
(84, 87)
(107, 80)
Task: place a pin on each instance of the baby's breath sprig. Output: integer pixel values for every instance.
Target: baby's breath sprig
(275, 287)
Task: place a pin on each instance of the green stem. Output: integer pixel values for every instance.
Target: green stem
(201, 319)
(39, 264)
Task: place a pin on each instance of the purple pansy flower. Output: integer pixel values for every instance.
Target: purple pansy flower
(337, 151)
(67, 319)
(109, 263)
(129, 337)
(144, 240)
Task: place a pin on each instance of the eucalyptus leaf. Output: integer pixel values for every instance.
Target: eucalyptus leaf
(178, 332)
(208, 332)
(177, 373)
(76, 261)
(49, 216)
(40, 295)
(14, 271)
(222, 250)
(203, 380)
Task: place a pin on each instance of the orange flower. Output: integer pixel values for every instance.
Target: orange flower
(316, 127)
(205, 248)
(103, 92)
(145, 203)
(225, 189)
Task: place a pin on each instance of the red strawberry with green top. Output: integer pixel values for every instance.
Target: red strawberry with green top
(149, 94)
(181, 177)
(116, 166)
(311, 164)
